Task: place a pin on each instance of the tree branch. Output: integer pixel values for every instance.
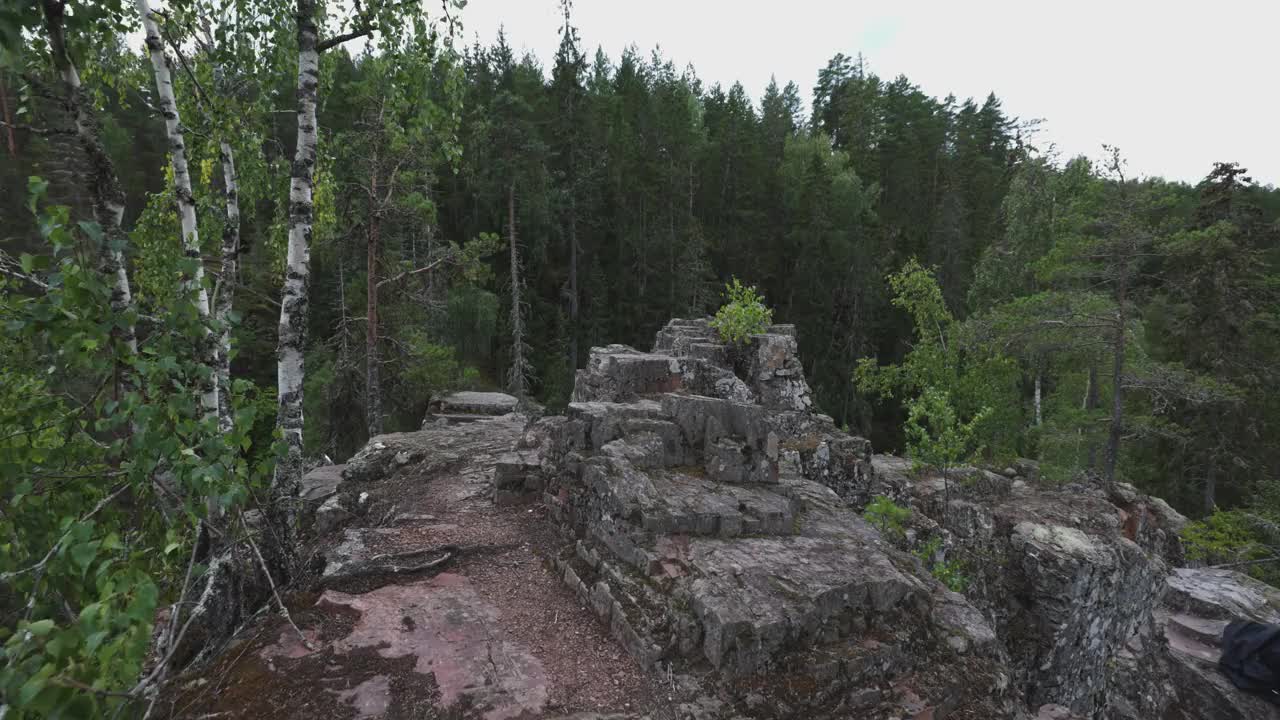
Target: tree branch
(337, 40)
(427, 268)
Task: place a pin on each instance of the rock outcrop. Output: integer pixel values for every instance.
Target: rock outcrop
(688, 542)
(716, 524)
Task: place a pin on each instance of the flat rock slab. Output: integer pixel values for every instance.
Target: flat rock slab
(452, 634)
(674, 502)
(322, 482)
(474, 403)
(757, 596)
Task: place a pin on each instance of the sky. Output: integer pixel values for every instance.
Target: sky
(1176, 85)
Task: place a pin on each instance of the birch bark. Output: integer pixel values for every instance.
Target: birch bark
(193, 283)
(293, 307)
(227, 282)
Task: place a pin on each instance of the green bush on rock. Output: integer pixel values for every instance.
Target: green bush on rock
(743, 315)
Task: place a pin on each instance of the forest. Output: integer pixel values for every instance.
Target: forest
(239, 237)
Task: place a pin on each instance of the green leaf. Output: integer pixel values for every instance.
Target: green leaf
(92, 230)
(40, 628)
(84, 554)
(94, 640)
(31, 688)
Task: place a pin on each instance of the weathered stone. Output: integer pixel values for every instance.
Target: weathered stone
(617, 373)
(1170, 669)
(329, 515)
(772, 369)
(719, 523)
(705, 420)
(517, 475)
(734, 461)
(321, 483)
(444, 625)
(716, 526)
(601, 422)
(467, 406)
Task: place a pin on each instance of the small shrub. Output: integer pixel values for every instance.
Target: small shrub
(928, 550)
(886, 515)
(1235, 536)
(951, 574)
(743, 315)
(948, 572)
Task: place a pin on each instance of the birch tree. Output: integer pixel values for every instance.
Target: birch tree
(292, 330)
(193, 267)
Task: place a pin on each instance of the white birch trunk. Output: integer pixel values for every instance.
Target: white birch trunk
(227, 283)
(193, 284)
(293, 306)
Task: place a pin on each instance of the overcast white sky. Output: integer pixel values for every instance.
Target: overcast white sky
(1176, 85)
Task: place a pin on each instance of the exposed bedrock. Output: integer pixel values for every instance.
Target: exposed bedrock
(715, 519)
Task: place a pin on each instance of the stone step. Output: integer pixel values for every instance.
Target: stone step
(1186, 644)
(1204, 630)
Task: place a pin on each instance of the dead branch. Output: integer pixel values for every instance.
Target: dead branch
(284, 611)
(426, 268)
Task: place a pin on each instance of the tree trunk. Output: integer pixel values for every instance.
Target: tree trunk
(372, 384)
(104, 186)
(293, 307)
(1038, 396)
(227, 283)
(1117, 396)
(193, 281)
(1210, 485)
(8, 119)
(574, 299)
(671, 242)
(516, 382)
(1091, 403)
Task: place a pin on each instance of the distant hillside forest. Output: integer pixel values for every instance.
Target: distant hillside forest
(1099, 315)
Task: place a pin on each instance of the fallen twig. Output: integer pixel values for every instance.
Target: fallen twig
(402, 563)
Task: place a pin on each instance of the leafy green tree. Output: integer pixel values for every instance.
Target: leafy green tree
(106, 485)
(937, 438)
(974, 378)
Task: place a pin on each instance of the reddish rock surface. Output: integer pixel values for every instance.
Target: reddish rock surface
(490, 634)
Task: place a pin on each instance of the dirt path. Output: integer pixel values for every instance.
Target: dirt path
(490, 632)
